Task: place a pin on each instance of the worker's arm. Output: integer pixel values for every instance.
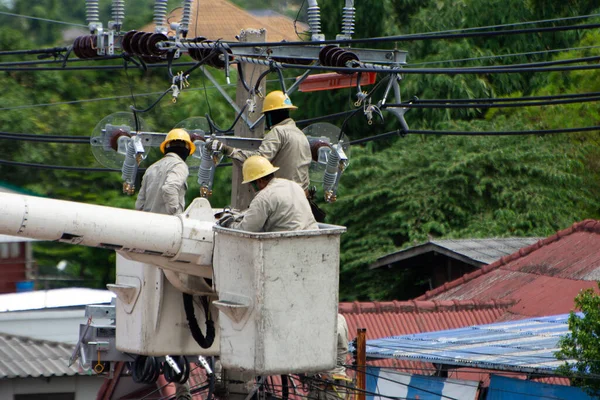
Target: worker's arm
(254, 217)
(268, 148)
(141, 199)
(175, 182)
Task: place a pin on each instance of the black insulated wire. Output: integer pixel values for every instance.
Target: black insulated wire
(214, 127)
(425, 36)
(241, 76)
(494, 105)
(508, 99)
(204, 341)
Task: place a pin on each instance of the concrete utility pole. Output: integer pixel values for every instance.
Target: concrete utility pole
(241, 195)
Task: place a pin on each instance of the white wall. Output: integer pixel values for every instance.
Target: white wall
(55, 325)
(84, 387)
(58, 326)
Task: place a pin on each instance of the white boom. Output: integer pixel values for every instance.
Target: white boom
(181, 243)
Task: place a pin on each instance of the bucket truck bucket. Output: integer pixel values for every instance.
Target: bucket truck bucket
(278, 298)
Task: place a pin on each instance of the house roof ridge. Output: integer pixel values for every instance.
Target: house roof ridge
(589, 225)
(23, 339)
(421, 306)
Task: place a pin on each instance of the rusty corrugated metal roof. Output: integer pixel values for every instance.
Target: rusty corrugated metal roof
(221, 19)
(542, 279)
(22, 357)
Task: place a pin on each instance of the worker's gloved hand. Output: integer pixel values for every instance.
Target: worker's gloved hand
(215, 146)
(226, 220)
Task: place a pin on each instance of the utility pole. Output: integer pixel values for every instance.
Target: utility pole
(241, 195)
(361, 363)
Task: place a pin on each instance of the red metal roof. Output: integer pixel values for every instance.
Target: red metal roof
(384, 319)
(542, 279)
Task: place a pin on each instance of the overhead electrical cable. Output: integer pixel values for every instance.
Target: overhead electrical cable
(517, 68)
(492, 104)
(61, 167)
(528, 53)
(426, 36)
(53, 50)
(41, 19)
(450, 71)
(57, 61)
(473, 133)
(509, 99)
(73, 168)
(26, 106)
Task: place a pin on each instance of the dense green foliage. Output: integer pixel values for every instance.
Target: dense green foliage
(396, 192)
(581, 344)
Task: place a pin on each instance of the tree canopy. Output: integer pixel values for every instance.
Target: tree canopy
(581, 344)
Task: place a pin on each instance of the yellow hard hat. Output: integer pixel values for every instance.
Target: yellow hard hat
(256, 167)
(178, 134)
(277, 100)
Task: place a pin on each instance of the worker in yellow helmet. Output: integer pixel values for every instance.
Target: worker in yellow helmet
(279, 204)
(333, 384)
(164, 183)
(163, 191)
(284, 145)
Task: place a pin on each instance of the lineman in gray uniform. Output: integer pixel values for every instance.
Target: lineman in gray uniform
(163, 192)
(333, 384)
(164, 183)
(280, 204)
(285, 146)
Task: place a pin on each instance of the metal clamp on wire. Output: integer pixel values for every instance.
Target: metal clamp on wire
(178, 84)
(205, 365)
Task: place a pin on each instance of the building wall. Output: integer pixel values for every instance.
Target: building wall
(55, 325)
(13, 265)
(84, 387)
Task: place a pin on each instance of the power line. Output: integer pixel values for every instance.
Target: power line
(45, 138)
(494, 105)
(58, 61)
(91, 67)
(53, 50)
(473, 133)
(72, 168)
(529, 53)
(41, 19)
(450, 71)
(542, 21)
(509, 99)
(426, 36)
(127, 96)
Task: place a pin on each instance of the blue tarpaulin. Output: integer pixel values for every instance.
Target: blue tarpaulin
(384, 383)
(503, 388)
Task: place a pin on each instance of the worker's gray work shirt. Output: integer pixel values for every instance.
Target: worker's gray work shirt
(163, 186)
(286, 147)
(280, 206)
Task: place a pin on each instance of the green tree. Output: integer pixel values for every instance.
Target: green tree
(579, 349)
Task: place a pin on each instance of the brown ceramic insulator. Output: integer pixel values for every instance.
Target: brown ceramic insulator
(314, 149)
(76, 48)
(152, 42)
(126, 42)
(114, 138)
(135, 43)
(323, 52)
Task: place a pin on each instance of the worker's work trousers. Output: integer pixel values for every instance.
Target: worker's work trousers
(336, 389)
(182, 391)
